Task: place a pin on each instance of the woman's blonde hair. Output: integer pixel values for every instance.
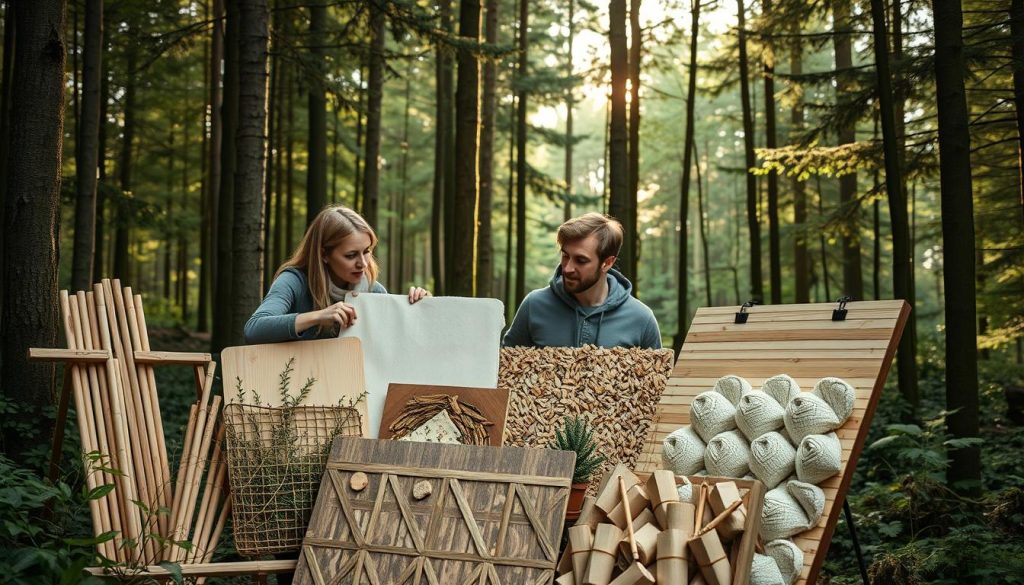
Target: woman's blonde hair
(328, 229)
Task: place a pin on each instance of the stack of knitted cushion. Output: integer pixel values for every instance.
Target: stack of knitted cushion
(783, 437)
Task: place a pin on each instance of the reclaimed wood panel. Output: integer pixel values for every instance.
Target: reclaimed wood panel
(493, 515)
(804, 342)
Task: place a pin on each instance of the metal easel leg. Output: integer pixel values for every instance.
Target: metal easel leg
(856, 544)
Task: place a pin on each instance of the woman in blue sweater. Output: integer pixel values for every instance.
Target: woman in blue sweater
(307, 298)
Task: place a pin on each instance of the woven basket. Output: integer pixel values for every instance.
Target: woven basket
(276, 459)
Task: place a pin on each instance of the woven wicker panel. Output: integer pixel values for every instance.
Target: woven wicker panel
(276, 459)
(617, 389)
(804, 342)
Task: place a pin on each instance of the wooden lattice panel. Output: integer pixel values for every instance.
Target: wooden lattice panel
(493, 515)
(803, 342)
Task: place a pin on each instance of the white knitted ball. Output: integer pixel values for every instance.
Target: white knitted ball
(838, 394)
(782, 388)
(808, 414)
(818, 458)
(686, 492)
(732, 387)
(788, 556)
(727, 455)
(758, 413)
(782, 516)
(711, 413)
(810, 497)
(772, 458)
(683, 451)
(765, 571)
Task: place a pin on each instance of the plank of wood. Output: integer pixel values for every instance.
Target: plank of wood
(479, 535)
(229, 569)
(800, 340)
(492, 403)
(335, 364)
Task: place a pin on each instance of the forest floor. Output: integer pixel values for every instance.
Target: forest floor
(911, 526)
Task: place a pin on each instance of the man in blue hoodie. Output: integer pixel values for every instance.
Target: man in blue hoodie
(587, 301)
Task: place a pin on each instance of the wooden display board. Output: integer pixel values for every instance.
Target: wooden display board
(803, 342)
(493, 515)
(491, 402)
(336, 364)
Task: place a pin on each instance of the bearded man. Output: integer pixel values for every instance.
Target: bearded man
(587, 301)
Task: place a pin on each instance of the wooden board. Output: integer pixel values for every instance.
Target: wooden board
(335, 364)
(494, 515)
(804, 342)
(492, 403)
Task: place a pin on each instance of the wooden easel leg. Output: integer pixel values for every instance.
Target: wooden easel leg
(856, 544)
(57, 446)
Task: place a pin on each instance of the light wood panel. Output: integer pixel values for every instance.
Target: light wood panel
(804, 342)
(335, 364)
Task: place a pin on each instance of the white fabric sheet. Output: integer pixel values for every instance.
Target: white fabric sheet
(450, 341)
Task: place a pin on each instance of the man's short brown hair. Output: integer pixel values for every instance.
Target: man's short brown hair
(606, 228)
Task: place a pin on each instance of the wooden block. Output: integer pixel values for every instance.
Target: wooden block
(723, 494)
(644, 517)
(680, 516)
(711, 558)
(661, 488)
(602, 556)
(590, 514)
(673, 555)
(608, 490)
(581, 540)
(463, 530)
(646, 544)
(565, 579)
(638, 501)
(636, 574)
(491, 403)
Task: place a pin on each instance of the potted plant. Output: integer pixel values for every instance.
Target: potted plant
(577, 436)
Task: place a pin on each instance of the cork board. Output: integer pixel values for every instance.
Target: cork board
(336, 364)
(803, 342)
(490, 402)
(494, 515)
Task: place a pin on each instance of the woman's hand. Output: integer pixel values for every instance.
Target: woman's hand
(417, 293)
(339, 314)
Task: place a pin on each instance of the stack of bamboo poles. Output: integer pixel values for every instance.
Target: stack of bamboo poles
(110, 366)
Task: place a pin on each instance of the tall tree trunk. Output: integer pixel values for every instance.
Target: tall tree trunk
(618, 147)
(521, 101)
(774, 244)
(316, 173)
(449, 160)
(1017, 51)
(801, 259)
(902, 263)
(400, 278)
(99, 262)
(289, 168)
(570, 105)
(630, 221)
(6, 89)
(753, 222)
(467, 128)
(510, 207)
(375, 95)
(223, 315)
(86, 144)
(821, 242)
(683, 284)
(703, 225)
(442, 122)
(853, 279)
(357, 185)
(488, 109)
(29, 312)
(964, 471)
(273, 105)
(280, 243)
(124, 219)
(212, 182)
(251, 138)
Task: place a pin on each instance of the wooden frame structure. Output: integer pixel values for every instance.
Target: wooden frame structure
(804, 342)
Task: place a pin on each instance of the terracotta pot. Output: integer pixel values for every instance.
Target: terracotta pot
(576, 495)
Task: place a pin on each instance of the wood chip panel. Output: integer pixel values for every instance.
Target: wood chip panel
(491, 402)
(804, 342)
(494, 515)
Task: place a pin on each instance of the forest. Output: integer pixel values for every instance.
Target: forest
(775, 151)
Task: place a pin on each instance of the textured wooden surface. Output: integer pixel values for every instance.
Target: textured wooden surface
(494, 515)
(491, 402)
(804, 342)
(336, 364)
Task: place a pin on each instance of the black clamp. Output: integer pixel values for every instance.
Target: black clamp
(840, 313)
(741, 317)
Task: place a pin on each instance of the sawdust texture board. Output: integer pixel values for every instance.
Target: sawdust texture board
(491, 402)
(492, 515)
(336, 365)
(804, 342)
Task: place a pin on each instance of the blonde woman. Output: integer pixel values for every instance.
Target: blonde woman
(307, 298)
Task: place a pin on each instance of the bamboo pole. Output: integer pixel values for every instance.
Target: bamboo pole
(189, 508)
(150, 405)
(221, 520)
(212, 494)
(138, 318)
(96, 507)
(119, 511)
(143, 458)
(94, 406)
(199, 430)
(132, 524)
